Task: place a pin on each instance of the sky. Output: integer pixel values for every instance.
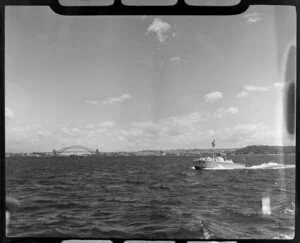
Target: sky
(129, 83)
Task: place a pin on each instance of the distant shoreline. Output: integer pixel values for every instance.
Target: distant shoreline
(249, 150)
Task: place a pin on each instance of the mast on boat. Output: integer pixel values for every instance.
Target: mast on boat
(213, 145)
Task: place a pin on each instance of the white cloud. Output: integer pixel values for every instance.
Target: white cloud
(184, 120)
(130, 133)
(253, 134)
(248, 127)
(168, 132)
(174, 34)
(240, 133)
(71, 131)
(221, 112)
(28, 137)
(232, 110)
(22, 130)
(213, 96)
(9, 113)
(89, 126)
(92, 102)
(106, 124)
(279, 85)
(256, 88)
(252, 17)
(183, 130)
(242, 94)
(44, 133)
(173, 59)
(251, 88)
(160, 28)
(112, 100)
(147, 124)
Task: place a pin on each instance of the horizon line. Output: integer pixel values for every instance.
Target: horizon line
(135, 151)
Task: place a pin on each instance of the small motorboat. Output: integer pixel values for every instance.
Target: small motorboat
(215, 162)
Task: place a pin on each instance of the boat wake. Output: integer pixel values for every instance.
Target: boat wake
(284, 236)
(270, 165)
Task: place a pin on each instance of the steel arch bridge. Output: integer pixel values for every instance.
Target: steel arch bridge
(74, 149)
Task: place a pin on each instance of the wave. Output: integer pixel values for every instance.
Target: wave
(284, 236)
(291, 210)
(160, 186)
(134, 182)
(270, 165)
(125, 200)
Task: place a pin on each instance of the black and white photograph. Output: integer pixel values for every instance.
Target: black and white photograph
(150, 127)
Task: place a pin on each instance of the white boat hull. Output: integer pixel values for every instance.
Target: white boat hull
(202, 165)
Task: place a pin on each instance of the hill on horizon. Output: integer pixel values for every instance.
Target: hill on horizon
(266, 149)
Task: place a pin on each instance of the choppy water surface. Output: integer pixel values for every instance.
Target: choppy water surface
(151, 197)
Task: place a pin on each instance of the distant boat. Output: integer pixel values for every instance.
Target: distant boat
(215, 162)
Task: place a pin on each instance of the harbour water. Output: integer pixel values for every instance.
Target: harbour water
(151, 197)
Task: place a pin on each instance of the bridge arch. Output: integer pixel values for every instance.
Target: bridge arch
(75, 149)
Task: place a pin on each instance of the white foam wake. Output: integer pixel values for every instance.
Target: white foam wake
(284, 236)
(271, 165)
(220, 167)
